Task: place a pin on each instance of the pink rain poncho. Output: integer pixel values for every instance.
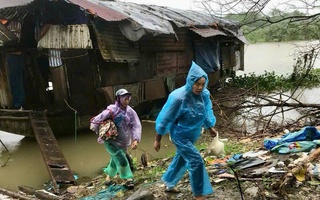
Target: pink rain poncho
(127, 122)
(129, 129)
(183, 116)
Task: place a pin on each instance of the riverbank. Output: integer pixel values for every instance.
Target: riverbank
(270, 175)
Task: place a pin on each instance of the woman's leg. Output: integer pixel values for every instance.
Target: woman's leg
(175, 171)
(118, 162)
(199, 178)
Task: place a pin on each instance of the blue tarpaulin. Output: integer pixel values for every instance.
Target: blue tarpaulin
(299, 141)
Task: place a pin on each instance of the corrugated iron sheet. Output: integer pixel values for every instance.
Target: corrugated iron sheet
(158, 19)
(14, 27)
(6, 37)
(208, 32)
(14, 9)
(178, 42)
(13, 3)
(97, 8)
(15, 13)
(113, 45)
(66, 37)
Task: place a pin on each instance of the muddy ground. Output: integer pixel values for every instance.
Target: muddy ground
(228, 183)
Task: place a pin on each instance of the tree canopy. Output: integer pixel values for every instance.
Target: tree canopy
(269, 20)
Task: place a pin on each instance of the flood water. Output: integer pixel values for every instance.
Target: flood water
(279, 57)
(86, 157)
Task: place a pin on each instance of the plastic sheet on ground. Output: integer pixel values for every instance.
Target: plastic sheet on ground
(292, 142)
(111, 192)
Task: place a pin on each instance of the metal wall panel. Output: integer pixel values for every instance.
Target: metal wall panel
(113, 45)
(178, 42)
(66, 37)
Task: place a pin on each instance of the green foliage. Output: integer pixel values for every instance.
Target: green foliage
(276, 27)
(269, 81)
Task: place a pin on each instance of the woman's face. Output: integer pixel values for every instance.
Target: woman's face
(198, 86)
(125, 100)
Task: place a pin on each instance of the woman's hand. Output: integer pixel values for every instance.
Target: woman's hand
(134, 144)
(213, 132)
(157, 145)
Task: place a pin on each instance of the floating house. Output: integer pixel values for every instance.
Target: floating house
(68, 57)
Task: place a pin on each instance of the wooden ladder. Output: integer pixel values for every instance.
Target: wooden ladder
(55, 161)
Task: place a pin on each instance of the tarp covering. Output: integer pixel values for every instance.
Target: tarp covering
(302, 140)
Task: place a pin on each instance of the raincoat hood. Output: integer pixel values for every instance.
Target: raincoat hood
(194, 74)
(185, 113)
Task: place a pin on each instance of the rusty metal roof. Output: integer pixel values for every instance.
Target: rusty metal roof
(154, 19)
(136, 20)
(97, 8)
(66, 37)
(14, 3)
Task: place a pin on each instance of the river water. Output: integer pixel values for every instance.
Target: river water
(25, 165)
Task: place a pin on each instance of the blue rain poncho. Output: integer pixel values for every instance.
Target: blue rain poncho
(183, 116)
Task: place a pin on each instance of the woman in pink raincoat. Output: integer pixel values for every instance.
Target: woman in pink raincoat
(129, 134)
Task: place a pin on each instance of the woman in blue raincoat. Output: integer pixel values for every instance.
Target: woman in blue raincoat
(186, 111)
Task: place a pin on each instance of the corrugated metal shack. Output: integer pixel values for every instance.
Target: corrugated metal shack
(65, 55)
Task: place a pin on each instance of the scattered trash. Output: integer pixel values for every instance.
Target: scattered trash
(246, 163)
(109, 193)
(252, 154)
(274, 170)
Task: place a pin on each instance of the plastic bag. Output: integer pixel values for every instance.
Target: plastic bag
(108, 130)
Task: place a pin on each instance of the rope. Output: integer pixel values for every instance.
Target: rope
(75, 120)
